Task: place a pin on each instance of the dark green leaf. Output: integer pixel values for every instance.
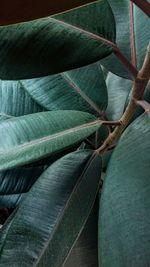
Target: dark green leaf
(32, 137)
(81, 89)
(127, 39)
(15, 183)
(51, 217)
(124, 228)
(85, 252)
(55, 44)
(18, 180)
(11, 200)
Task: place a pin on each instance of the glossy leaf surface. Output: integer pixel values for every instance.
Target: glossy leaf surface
(56, 208)
(118, 91)
(15, 183)
(15, 101)
(32, 137)
(124, 229)
(87, 241)
(18, 180)
(81, 89)
(132, 36)
(56, 44)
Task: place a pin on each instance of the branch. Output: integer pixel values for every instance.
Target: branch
(138, 89)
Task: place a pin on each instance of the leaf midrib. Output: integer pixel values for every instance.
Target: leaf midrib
(53, 136)
(82, 94)
(67, 205)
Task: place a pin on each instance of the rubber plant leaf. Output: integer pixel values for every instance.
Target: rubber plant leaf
(124, 228)
(56, 208)
(32, 137)
(56, 44)
(80, 89)
(131, 40)
(15, 101)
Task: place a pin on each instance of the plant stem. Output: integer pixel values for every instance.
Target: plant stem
(138, 89)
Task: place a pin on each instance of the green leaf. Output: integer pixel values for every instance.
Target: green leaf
(15, 183)
(81, 89)
(12, 12)
(132, 43)
(87, 242)
(56, 44)
(15, 101)
(11, 200)
(18, 180)
(55, 209)
(32, 137)
(124, 227)
(118, 91)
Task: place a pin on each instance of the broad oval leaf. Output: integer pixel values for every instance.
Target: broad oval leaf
(32, 137)
(16, 11)
(132, 36)
(124, 228)
(15, 101)
(56, 44)
(56, 208)
(80, 89)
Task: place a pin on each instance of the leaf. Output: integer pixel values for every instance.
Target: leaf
(32, 137)
(81, 89)
(56, 44)
(10, 200)
(15, 101)
(131, 40)
(56, 208)
(15, 183)
(13, 12)
(118, 91)
(87, 241)
(18, 180)
(124, 228)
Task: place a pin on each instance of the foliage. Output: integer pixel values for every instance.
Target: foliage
(72, 92)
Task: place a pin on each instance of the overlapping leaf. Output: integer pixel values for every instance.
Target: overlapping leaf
(15, 183)
(81, 89)
(15, 101)
(124, 228)
(87, 241)
(132, 36)
(56, 208)
(32, 137)
(118, 92)
(55, 44)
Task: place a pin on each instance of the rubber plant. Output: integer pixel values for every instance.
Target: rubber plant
(74, 133)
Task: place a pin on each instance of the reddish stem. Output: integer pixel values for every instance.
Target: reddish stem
(133, 47)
